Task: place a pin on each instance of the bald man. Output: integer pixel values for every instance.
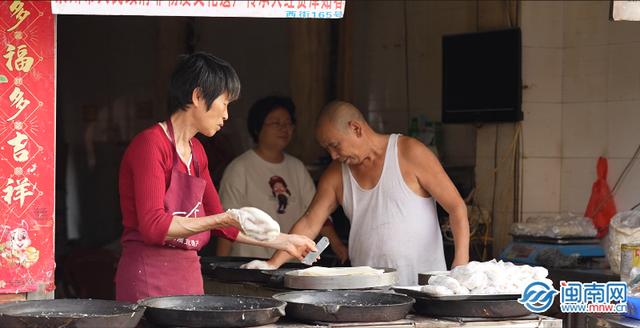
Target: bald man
(387, 186)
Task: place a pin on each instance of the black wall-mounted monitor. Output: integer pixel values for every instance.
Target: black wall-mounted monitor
(482, 77)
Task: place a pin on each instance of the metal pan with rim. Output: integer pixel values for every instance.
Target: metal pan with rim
(227, 268)
(345, 306)
(477, 306)
(212, 310)
(70, 313)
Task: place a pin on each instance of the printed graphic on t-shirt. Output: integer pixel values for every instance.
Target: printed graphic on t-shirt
(280, 191)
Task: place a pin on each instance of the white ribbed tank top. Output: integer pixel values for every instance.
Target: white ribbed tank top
(391, 226)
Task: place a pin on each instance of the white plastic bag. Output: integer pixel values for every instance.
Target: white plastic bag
(624, 228)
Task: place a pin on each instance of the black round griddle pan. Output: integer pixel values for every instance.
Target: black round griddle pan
(227, 268)
(345, 306)
(212, 311)
(80, 313)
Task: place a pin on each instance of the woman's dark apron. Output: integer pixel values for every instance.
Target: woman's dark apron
(174, 268)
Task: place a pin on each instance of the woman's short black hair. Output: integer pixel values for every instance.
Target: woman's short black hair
(261, 108)
(212, 75)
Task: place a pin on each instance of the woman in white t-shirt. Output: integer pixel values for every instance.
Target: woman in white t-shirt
(268, 178)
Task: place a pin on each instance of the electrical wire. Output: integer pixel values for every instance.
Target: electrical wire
(511, 153)
(499, 164)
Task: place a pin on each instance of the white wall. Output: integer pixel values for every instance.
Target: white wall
(582, 101)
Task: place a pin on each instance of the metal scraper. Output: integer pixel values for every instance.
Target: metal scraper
(312, 256)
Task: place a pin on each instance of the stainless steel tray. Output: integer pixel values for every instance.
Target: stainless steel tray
(414, 292)
(388, 278)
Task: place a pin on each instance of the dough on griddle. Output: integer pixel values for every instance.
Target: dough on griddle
(319, 271)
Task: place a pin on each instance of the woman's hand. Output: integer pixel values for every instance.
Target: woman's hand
(296, 245)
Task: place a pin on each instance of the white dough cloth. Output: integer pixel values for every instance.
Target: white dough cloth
(256, 223)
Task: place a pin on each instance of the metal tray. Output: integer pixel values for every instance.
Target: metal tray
(559, 241)
(437, 308)
(388, 278)
(414, 292)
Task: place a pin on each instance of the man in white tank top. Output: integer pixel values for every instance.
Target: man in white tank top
(387, 185)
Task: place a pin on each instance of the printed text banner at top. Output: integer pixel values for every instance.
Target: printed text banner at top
(260, 8)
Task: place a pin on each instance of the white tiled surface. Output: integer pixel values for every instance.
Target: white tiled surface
(541, 184)
(624, 72)
(542, 129)
(624, 129)
(584, 129)
(585, 74)
(578, 175)
(599, 107)
(542, 23)
(585, 23)
(542, 74)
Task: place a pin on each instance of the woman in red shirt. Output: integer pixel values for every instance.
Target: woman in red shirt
(168, 201)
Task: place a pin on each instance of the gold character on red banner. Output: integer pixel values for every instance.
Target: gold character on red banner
(22, 62)
(19, 143)
(17, 10)
(18, 191)
(18, 101)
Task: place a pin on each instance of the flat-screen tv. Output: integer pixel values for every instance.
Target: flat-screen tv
(482, 77)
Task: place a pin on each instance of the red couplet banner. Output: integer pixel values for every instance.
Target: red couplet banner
(27, 146)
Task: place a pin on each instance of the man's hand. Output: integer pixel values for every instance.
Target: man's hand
(296, 245)
(341, 251)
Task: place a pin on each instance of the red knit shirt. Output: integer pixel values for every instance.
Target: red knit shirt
(145, 174)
